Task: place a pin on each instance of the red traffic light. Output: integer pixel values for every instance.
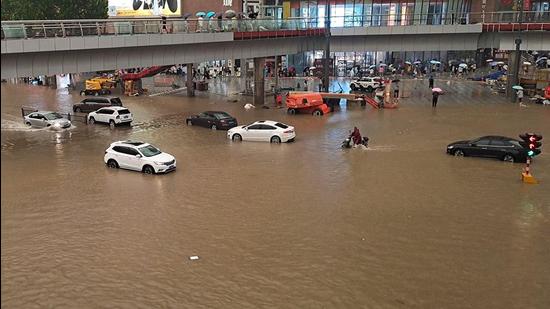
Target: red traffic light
(530, 137)
(531, 142)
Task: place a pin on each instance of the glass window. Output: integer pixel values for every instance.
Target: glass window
(497, 142)
(149, 151)
(221, 115)
(255, 127)
(124, 150)
(123, 112)
(267, 127)
(483, 142)
(53, 116)
(281, 125)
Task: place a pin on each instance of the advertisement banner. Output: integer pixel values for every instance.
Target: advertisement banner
(144, 8)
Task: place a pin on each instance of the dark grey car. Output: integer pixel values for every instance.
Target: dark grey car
(94, 103)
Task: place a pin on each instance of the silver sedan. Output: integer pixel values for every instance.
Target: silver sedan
(46, 119)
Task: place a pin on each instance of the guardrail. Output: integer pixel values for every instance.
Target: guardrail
(27, 29)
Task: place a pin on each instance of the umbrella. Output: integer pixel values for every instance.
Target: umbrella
(437, 90)
(542, 59)
(210, 14)
(526, 63)
(489, 60)
(372, 66)
(417, 62)
(200, 14)
(435, 62)
(383, 64)
(187, 15)
(463, 65)
(230, 14)
(407, 62)
(500, 63)
(505, 67)
(517, 87)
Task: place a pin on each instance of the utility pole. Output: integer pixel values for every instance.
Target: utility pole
(326, 62)
(517, 59)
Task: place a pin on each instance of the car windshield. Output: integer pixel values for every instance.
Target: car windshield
(123, 112)
(221, 116)
(149, 151)
(53, 116)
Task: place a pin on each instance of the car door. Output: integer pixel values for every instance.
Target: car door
(253, 132)
(87, 106)
(41, 121)
(209, 120)
(100, 115)
(134, 159)
(33, 119)
(267, 132)
(480, 148)
(124, 157)
(200, 120)
(497, 148)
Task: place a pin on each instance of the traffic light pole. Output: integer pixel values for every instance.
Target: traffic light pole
(531, 144)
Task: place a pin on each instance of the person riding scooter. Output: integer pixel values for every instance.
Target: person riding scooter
(355, 139)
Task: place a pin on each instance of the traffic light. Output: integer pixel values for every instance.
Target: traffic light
(531, 143)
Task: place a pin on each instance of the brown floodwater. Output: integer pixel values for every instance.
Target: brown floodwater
(299, 225)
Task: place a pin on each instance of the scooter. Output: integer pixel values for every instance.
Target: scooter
(347, 143)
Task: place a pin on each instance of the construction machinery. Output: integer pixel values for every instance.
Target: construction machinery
(132, 81)
(98, 86)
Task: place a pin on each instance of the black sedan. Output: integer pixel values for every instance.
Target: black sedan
(500, 147)
(212, 119)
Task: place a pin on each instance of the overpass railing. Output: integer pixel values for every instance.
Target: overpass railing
(28, 29)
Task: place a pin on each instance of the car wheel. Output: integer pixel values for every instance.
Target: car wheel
(189, 123)
(275, 140)
(508, 158)
(112, 163)
(213, 127)
(82, 93)
(237, 137)
(148, 169)
(91, 120)
(77, 110)
(458, 153)
(317, 112)
(28, 124)
(112, 124)
(291, 111)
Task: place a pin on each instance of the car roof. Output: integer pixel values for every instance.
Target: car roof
(117, 108)
(130, 143)
(271, 122)
(216, 112)
(497, 137)
(43, 112)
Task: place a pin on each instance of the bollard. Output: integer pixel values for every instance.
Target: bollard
(526, 176)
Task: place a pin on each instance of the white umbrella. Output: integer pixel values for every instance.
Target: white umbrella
(500, 63)
(542, 59)
(383, 64)
(489, 60)
(407, 62)
(417, 62)
(372, 66)
(435, 62)
(526, 63)
(437, 90)
(463, 65)
(517, 87)
(505, 67)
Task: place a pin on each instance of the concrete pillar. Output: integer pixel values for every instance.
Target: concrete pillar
(259, 81)
(189, 82)
(244, 69)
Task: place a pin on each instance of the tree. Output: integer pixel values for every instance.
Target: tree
(53, 9)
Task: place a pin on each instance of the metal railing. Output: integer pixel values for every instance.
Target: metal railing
(28, 29)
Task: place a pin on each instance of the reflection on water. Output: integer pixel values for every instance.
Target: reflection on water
(305, 224)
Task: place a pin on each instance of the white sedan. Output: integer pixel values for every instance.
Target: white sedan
(263, 131)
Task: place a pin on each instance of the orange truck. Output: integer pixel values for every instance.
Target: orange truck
(309, 103)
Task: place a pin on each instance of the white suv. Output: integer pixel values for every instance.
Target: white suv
(138, 156)
(112, 115)
(366, 83)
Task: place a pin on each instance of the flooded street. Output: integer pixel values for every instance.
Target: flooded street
(298, 225)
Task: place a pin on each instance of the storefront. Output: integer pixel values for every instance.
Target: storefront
(347, 13)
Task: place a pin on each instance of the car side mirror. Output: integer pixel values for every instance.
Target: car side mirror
(138, 156)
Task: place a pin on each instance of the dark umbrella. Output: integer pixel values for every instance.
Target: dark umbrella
(187, 15)
(230, 14)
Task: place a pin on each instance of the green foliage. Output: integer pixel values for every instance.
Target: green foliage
(53, 9)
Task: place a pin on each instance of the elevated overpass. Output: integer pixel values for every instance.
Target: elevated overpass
(31, 48)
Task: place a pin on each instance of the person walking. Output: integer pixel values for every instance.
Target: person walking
(435, 97)
(396, 91)
(520, 96)
(431, 81)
